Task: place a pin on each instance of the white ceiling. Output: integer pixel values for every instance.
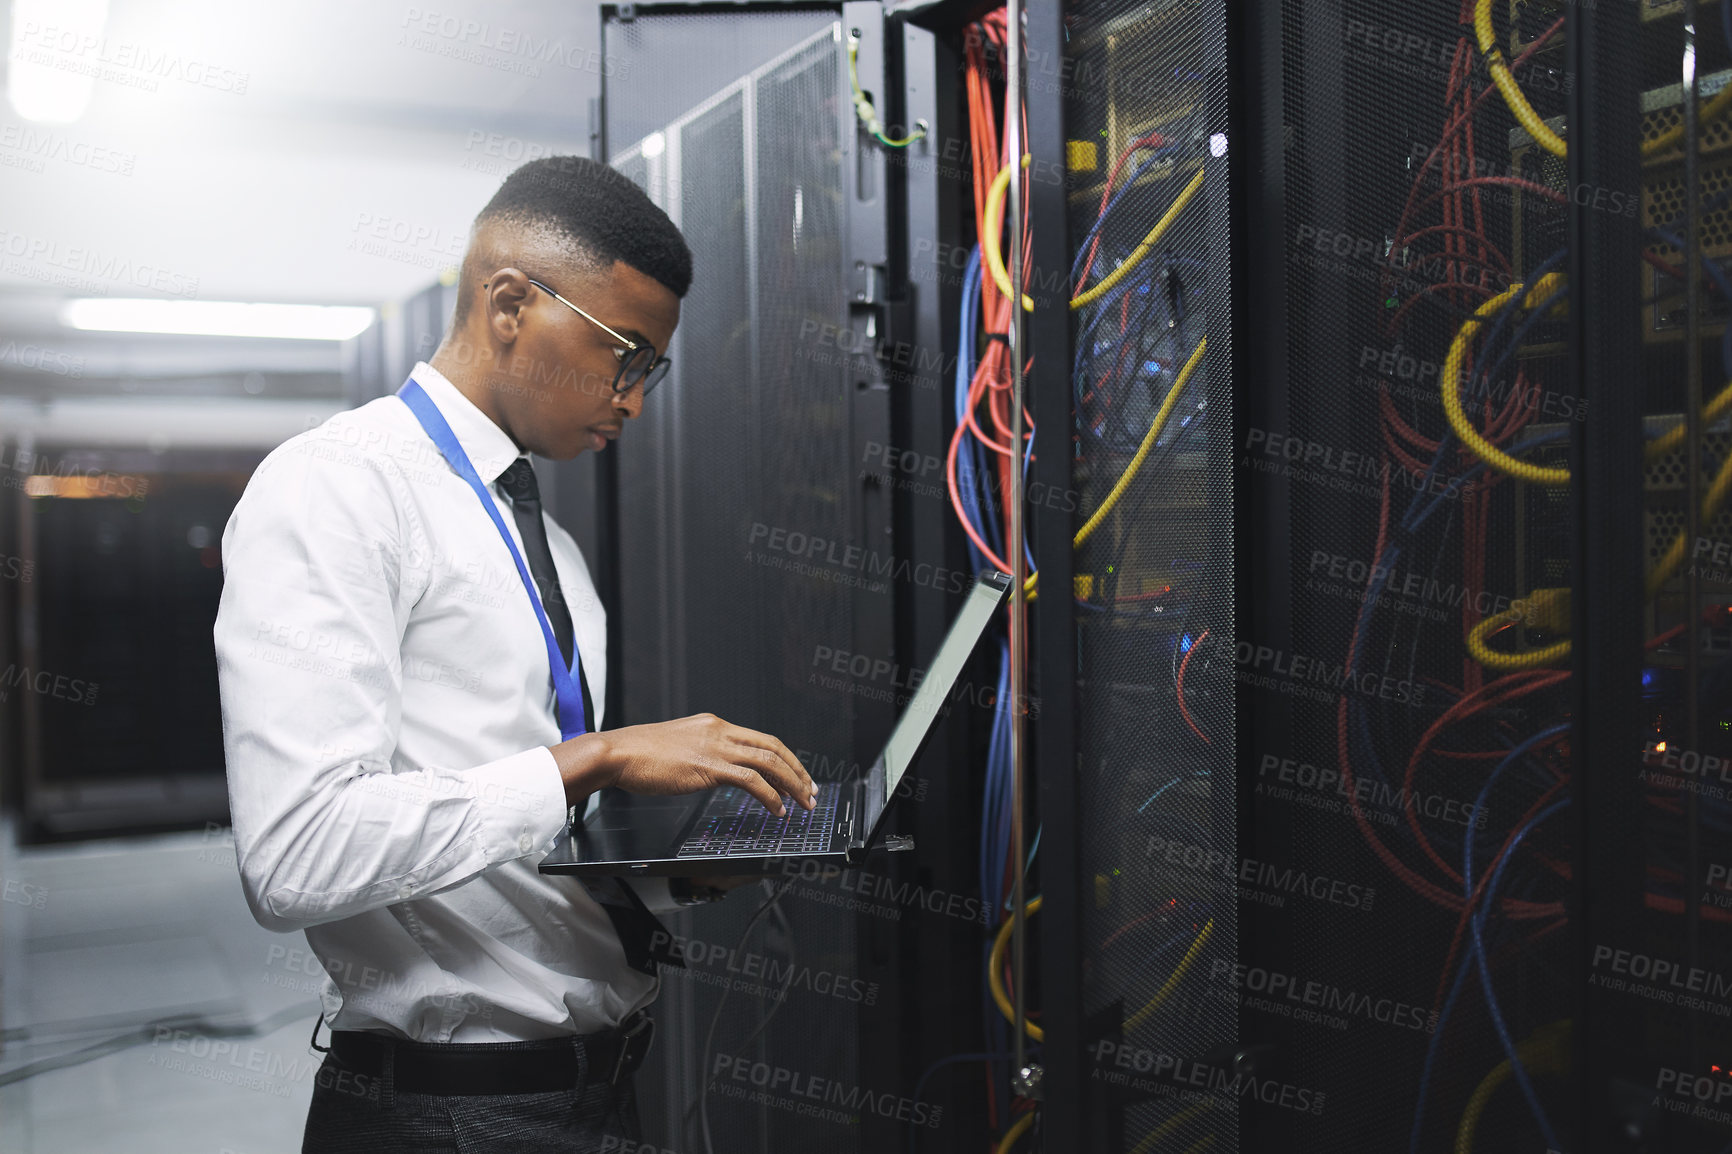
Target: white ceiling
(347, 172)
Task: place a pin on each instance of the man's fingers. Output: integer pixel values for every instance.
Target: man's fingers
(754, 784)
(770, 767)
(803, 789)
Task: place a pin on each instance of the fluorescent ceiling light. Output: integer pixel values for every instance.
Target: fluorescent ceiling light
(217, 318)
(56, 44)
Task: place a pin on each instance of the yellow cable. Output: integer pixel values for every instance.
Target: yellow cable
(1167, 1127)
(1143, 248)
(994, 221)
(1166, 991)
(1016, 1131)
(1450, 386)
(1552, 605)
(1545, 1051)
(1497, 459)
(1547, 601)
(995, 265)
(863, 107)
(1149, 439)
(995, 968)
(1488, 1086)
(1530, 120)
(1506, 84)
(1554, 602)
(995, 195)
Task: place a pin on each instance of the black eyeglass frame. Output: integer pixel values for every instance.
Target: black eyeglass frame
(634, 353)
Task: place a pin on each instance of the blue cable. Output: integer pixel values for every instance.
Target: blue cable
(1460, 980)
(1716, 273)
(1125, 188)
(1166, 787)
(1477, 923)
(920, 1084)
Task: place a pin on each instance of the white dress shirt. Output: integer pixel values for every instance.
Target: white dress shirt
(387, 704)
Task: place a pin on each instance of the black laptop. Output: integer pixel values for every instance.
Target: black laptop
(727, 831)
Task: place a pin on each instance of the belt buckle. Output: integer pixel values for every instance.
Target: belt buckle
(634, 1044)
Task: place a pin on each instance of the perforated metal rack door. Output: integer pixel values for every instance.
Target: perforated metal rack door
(1383, 774)
(1145, 112)
(742, 460)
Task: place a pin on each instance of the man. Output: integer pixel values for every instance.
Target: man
(412, 662)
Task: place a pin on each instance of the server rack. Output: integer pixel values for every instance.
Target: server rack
(1515, 642)
(1428, 759)
(789, 420)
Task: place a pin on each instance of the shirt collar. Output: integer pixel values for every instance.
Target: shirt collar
(489, 448)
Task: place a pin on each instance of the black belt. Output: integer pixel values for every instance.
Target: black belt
(486, 1068)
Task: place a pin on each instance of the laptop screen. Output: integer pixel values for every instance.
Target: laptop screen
(941, 677)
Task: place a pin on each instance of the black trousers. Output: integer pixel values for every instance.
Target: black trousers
(358, 1113)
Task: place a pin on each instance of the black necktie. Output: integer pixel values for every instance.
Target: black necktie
(644, 939)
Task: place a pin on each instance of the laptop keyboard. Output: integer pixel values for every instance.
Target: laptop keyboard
(736, 824)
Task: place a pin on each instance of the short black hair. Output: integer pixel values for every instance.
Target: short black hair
(599, 210)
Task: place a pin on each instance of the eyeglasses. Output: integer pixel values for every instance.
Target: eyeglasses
(637, 361)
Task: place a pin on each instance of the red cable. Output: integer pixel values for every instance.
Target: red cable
(1183, 712)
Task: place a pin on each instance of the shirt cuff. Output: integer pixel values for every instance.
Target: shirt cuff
(521, 800)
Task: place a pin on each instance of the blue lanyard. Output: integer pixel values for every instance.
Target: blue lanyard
(571, 719)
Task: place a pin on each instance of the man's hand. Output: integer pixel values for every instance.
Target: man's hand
(684, 756)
